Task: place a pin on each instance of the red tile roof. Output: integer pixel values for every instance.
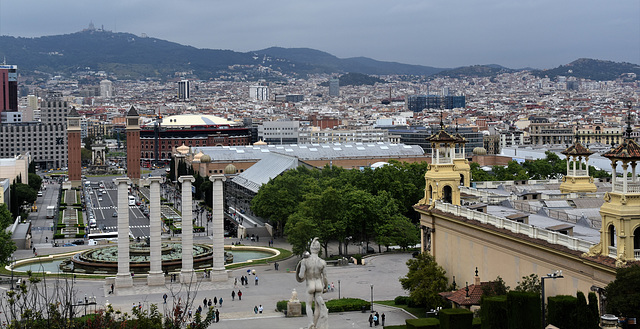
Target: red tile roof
(628, 150)
(577, 149)
(460, 296)
(442, 136)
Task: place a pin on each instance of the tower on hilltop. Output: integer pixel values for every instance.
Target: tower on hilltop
(133, 145)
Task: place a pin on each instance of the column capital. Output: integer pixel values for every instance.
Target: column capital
(154, 179)
(183, 179)
(220, 177)
(122, 180)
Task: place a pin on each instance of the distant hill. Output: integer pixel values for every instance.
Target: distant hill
(356, 79)
(593, 69)
(475, 71)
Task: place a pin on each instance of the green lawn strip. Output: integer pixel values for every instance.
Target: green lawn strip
(416, 311)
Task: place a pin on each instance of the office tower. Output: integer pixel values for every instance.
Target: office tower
(73, 148)
(8, 88)
(106, 88)
(334, 87)
(259, 93)
(183, 89)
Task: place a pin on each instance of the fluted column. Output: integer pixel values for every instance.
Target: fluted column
(123, 278)
(218, 272)
(187, 275)
(156, 276)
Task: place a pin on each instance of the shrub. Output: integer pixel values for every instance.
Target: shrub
(413, 303)
(358, 257)
(493, 312)
(560, 310)
(524, 310)
(58, 236)
(455, 318)
(423, 323)
(396, 327)
(477, 323)
(347, 305)
(281, 306)
(402, 300)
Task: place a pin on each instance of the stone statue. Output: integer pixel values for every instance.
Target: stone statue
(312, 269)
(294, 296)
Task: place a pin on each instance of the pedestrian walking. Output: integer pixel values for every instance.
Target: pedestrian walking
(204, 302)
(165, 297)
(256, 280)
(260, 308)
(376, 319)
(255, 309)
(189, 313)
(382, 317)
(209, 302)
(215, 301)
(220, 301)
(111, 289)
(239, 295)
(217, 316)
(370, 320)
(233, 295)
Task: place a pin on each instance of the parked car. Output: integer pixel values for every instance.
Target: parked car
(78, 242)
(115, 214)
(68, 245)
(39, 193)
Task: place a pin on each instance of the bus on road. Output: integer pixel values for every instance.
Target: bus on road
(51, 211)
(132, 200)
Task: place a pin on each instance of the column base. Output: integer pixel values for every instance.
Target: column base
(219, 275)
(155, 279)
(188, 277)
(124, 281)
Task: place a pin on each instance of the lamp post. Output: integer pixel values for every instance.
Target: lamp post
(338, 289)
(371, 298)
(555, 275)
(13, 259)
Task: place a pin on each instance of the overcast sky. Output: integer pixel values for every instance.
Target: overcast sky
(440, 33)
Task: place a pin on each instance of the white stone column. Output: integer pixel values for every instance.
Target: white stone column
(156, 276)
(614, 164)
(586, 162)
(187, 275)
(218, 272)
(624, 177)
(123, 278)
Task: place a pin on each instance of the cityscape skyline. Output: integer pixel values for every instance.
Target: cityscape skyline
(442, 34)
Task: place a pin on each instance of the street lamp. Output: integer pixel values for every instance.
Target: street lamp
(338, 289)
(371, 298)
(555, 275)
(13, 259)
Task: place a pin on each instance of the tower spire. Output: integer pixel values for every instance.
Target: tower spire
(629, 130)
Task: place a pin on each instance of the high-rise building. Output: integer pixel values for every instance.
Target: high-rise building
(334, 87)
(259, 93)
(184, 89)
(106, 88)
(8, 88)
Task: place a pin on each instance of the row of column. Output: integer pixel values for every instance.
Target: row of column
(187, 274)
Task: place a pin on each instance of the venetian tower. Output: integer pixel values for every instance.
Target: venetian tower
(73, 148)
(577, 179)
(620, 232)
(133, 146)
(448, 169)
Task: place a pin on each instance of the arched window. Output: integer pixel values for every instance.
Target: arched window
(636, 239)
(612, 235)
(447, 194)
(461, 180)
(430, 194)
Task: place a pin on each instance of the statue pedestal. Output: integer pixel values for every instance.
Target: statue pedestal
(294, 309)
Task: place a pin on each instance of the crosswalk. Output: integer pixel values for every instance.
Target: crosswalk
(113, 228)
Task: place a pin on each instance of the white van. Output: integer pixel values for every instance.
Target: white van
(93, 223)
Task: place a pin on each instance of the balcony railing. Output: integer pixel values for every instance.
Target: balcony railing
(579, 172)
(632, 187)
(636, 253)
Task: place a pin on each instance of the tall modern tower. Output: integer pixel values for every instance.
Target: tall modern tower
(8, 88)
(133, 145)
(183, 89)
(334, 87)
(73, 148)
(106, 88)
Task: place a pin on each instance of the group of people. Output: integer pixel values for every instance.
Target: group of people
(245, 281)
(233, 295)
(375, 318)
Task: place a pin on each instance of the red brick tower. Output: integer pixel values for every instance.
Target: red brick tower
(133, 146)
(73, 148)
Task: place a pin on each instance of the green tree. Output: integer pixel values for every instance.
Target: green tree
(623, 293)
(7, 246)
(35, 181)
(398, 230)
(425, 280)
(85, 155)
(479, 175)
(497, 288)
(530, 283)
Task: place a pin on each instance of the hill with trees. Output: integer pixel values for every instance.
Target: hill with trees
(593, 69)
(356, 79)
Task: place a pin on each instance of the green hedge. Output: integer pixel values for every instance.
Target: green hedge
(423, 323)
(477, 323)
(396, 327)
(347, 305)
(58, 236)
(493, 312)
(402, 300)
(561, 311)
(524, 310)
(455, 318)
(334, 305)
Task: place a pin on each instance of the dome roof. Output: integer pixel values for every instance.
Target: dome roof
(479, 151)
(230, 169)
(260, 142)
(205, 158)
(183, 149)
(198, 156)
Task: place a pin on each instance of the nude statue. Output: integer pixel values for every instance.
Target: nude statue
(312, 269)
